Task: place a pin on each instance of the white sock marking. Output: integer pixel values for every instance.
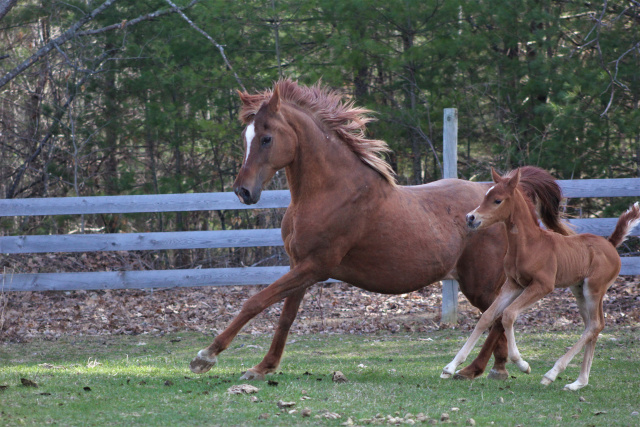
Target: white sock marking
(249, 134)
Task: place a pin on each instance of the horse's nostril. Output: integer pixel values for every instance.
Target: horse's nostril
(243, 193)
(471, 218)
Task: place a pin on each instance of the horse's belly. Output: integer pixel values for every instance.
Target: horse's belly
(392, 275)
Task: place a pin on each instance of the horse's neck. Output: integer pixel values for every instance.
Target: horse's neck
(324, 163)
(522, 226)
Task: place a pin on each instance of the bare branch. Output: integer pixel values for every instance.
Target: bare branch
(5, 7)
(44, 50)
(131, 22)
(220, 47)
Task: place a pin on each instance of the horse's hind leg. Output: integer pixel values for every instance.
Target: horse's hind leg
(296, 280)
(272, 359)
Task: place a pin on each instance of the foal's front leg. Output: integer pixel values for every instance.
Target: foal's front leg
(508, 293)
(292, 283)
(529, 296)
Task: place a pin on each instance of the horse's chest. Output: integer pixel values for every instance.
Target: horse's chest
(517, 269)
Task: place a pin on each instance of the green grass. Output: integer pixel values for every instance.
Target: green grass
(145, 380)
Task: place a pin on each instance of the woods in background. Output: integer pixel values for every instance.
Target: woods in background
(111, 97)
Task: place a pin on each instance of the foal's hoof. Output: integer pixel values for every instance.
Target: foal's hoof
(445, 375)
(546, 381)
(253, 375)
(494, 374)
(524, 367)
(202, 363)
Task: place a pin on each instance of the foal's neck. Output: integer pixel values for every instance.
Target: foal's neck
(522, 223)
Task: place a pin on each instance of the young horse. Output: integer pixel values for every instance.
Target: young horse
(350, 221)
(538, 261)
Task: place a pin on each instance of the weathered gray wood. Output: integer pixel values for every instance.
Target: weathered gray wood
(618, 187)
(450, 288)
(622, 187)
(598, 226)
(142, 279)
(141, 241)
(141, 203)
(630, 266)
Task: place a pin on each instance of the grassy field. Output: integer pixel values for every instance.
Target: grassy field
(144, 380)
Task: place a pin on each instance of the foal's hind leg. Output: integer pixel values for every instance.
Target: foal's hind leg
(589, 299)
(272, 359)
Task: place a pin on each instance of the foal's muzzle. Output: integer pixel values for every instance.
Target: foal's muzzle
(472, 221)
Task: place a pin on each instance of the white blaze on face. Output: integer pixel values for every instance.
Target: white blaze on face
(249, 134)
(489, 190)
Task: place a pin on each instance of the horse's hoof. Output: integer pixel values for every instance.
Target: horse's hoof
(459, 376)
(253, 375)
(498, 375)
(546, 381)
(202, 363)
(445, 375)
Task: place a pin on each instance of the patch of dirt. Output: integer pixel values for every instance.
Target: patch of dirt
(328, 308)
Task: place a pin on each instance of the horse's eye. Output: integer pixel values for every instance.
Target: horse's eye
(497, 201)
(265, 140)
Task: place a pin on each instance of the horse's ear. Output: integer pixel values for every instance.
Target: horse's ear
(274, 102)
(496, 178)
(514, 180)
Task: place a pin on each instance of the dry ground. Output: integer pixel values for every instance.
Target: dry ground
(329, 308)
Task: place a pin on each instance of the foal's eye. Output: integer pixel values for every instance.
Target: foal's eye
(265, 140)
(497, 201)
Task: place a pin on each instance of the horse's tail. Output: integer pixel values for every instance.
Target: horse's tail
(546, 195)
(626, 223)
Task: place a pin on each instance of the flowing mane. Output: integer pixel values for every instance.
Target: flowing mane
(346, 120)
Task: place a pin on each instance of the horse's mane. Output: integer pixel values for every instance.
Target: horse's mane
(342, 117)
(543, 196)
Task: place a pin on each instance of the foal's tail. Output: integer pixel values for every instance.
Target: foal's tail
(626, 223)
(545, 193)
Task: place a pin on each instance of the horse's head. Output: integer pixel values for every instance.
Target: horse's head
(270, 146)
(497, 203)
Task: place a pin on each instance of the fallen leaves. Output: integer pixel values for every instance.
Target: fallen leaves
(338, 377)
(28, 383)
(336, 308)
(243, 389)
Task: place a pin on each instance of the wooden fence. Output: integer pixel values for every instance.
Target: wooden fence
(204, 239)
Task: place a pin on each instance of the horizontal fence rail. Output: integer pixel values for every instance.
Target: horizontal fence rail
(627, 187)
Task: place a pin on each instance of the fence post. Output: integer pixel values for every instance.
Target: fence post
(450, 170)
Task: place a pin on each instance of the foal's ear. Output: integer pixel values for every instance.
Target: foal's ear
(496, 178)
(514, 180)
(274, 102)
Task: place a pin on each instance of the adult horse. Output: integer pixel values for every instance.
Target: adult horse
(349, 220)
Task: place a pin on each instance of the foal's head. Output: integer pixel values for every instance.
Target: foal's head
(269, 143)
(497, 204)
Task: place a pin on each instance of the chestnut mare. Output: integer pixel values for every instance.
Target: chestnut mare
(538, 261)
(350, 221)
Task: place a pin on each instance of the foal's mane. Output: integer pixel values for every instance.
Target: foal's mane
(342, 117)
(543, 196)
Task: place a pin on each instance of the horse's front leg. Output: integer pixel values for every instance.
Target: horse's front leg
(272, 359)
(292, 283)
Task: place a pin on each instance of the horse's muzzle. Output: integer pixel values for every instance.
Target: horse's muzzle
(246, 196)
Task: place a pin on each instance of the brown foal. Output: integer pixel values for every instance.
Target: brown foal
(538, 261)
(349, 220)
